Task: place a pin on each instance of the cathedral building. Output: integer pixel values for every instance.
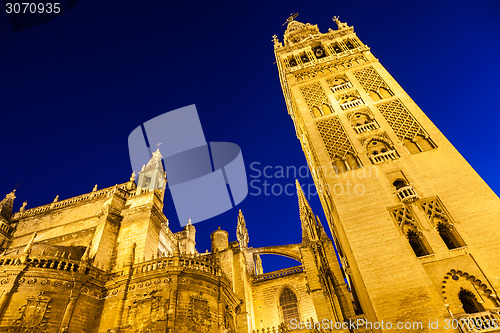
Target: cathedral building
(417, 236)
(106, 261)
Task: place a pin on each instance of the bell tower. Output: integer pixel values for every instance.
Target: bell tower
(415, 226)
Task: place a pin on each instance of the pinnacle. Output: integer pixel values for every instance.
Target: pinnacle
(301, 196)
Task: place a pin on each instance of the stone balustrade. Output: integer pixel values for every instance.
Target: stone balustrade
(351, 104)
(407, 194)
(382, 157)
(342, 86)
(276, 274)
(486, 321)
(365, 127)
(120, 190)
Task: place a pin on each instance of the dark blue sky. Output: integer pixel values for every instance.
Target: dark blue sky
(72, 90)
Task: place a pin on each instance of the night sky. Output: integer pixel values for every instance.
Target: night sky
(72, 89)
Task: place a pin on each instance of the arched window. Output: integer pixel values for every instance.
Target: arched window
(289, 306)
(325, 109)
(448, 236)
(469, 302)
(416, 243)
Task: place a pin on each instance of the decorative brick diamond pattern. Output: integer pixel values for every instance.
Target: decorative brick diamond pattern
(403, 216)
(335, 139)
(433, 208)
(401, 120)
(370, 80)
(314, 95)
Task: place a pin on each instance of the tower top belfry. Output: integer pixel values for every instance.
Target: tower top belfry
(152, 175)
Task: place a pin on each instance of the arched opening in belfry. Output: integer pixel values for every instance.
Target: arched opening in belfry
(469, 302)
(289, 305)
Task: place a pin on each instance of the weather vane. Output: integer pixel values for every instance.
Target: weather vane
(291, 18)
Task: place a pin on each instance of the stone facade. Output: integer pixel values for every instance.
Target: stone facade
(416, 227)
(106, 261)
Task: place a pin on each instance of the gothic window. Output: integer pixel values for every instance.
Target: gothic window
(288, 305)
(417, 243)
(469, 302)
(443, 223)
(406, 222)
(447, 236)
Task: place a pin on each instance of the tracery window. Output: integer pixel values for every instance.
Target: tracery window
(289, 305)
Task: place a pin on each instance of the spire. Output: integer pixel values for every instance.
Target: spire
(241, 231)
(152, 175)
(155, 161)
(307, 217)
(6, 205)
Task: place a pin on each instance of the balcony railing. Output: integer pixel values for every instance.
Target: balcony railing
(486, 321)
(365, 127)
(407, 194)
(351, 104)
(342, 86)
(276, 274)
(382, 157)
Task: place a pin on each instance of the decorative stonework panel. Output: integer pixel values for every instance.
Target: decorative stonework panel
(144, 312)
(32, 315)
(199, 313)
(434, 210)
(335, 139)
(403, 216)
(314, 95)
(401, 120)
(370, 79)
(330, 67)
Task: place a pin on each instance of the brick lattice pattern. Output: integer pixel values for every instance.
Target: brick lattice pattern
(314, 95)
(401, 121)
(335, 139)
(370, 79)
